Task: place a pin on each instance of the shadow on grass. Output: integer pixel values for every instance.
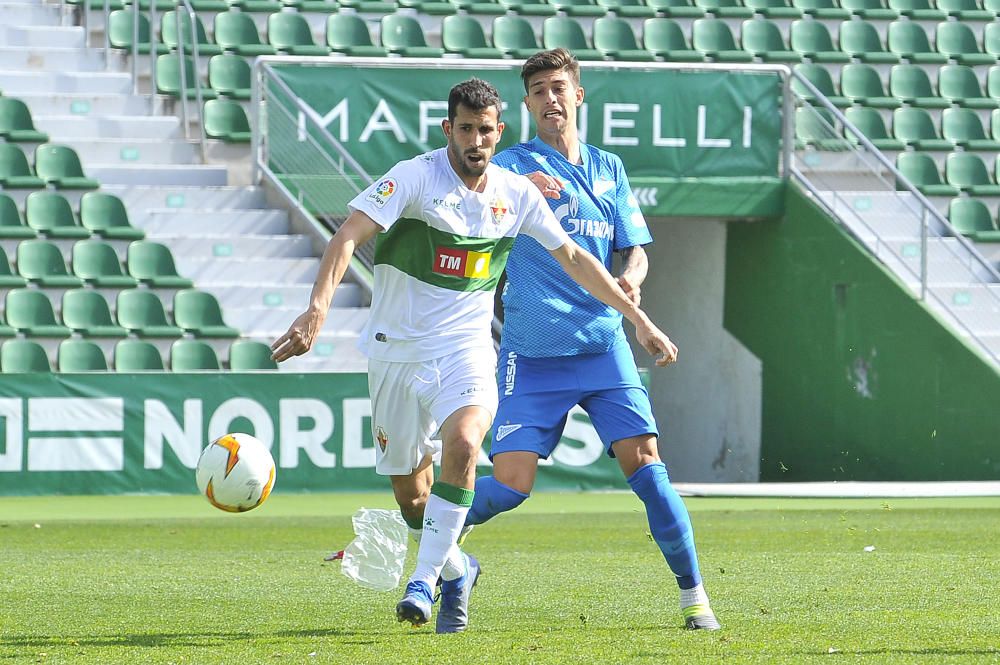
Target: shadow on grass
(177, 639)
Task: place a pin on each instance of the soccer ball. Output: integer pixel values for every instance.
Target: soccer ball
(235, 473)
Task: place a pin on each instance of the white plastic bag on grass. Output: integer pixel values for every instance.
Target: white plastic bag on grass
(375, 558)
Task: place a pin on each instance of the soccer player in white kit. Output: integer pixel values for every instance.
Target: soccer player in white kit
(444, 222)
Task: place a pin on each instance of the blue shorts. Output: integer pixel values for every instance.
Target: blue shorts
(536, 395)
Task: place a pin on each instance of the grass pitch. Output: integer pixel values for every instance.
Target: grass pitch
(568, 578)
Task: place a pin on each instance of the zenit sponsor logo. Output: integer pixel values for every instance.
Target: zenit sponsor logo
(461, 263)
(567, 214)
(382, 192)
(510, 375)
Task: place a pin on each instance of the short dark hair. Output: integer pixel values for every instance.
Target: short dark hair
(474, 94)
(558, 59)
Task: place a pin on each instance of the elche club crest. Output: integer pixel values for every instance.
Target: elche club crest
(381, 437)
(499, 209)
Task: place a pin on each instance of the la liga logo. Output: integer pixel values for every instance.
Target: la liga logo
(383, 192)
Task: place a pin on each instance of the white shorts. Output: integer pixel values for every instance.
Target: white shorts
(410, 401)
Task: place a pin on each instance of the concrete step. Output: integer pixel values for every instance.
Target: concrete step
(14, 84)
(50, 59)
(145, 200)
(65, 127)
(23, 13)
(158, 174)
(42, 36)
(83, 104)
(236, 271)
(235, 246)
(134, 151)
(181, 221)
(348, 294)
(273, 321)
(947, 261)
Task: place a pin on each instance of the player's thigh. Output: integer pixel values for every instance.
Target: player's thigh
(401, 425)
(620, 413)
(635, 452)
(516, 469)
(536, 395)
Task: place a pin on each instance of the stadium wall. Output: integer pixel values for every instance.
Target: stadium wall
(860, 380)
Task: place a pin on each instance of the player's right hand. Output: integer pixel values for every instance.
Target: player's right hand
(550, 186)
(299, 338)
(656, 343)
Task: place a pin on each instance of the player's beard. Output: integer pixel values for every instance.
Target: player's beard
(464, 167)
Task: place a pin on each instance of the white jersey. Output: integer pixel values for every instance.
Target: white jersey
(441, 252)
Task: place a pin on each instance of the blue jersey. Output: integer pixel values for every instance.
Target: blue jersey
(546, 313)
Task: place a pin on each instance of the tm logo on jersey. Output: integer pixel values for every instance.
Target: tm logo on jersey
(383, 192)
(567, 214)
(461, 263)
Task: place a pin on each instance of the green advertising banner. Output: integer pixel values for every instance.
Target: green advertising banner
(143, 433)
(664, 123)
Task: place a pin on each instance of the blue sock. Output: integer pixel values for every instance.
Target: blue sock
(668, 522)
(492, 498)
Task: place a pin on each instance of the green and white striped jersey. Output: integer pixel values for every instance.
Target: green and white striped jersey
(441, 252)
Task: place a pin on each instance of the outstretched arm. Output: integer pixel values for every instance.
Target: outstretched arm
(635, 265)
(358, 229)
(591, 275)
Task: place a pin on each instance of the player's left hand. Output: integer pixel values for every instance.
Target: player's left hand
(550, 186)
(631, 288)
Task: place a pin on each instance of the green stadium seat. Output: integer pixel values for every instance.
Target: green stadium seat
(921, 170)
(676, 8)
(142, 314)
(972, 219)
(860, 40)
(41, 262)
(992, 6)
(663, 37)
(290, 33)
(816, 127)
(59, 165)
(429, 7)
(487, 7)
(463, 34)
(579, 7)
(168, 33)
(226, 120)
(870, 123)
(962, 127)
(915, 127)
(236, 32)
(198, 312)
(991, 39)
(12, 227)
(762, 38)
(862, 85)
(917, 10)
(191, 355)
(870, 10)
(153, 264)
(965, 171)
(257, 6)
(120, 27)
(957, 41)
(22, 356)
(614, 38)
(774, 8)
(15, 173)
(168, 77)
(566, 32)
(965, 10)
(51, 215)
(16, 123)
(95, 5)
(909, 41)
(403, 35)
(995, 124)
(97, 264)
(515, 37)
(9, 280)
(528, 8)
(373, 6)
(911, 85)
(349, 34)
(133, 355)
(230, 76)
(993, 82)
(827, 10)
(628, 8)
(247, 355)
(5, 330)
(811, 39)
(104, 215)
(79, 355)
(85, 311)
(724, 9)
(960, 85)
(714, 40)
(30, 312)
(820, 77)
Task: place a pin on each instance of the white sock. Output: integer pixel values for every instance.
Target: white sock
(454, 566)
(443, 521)
(694, 596)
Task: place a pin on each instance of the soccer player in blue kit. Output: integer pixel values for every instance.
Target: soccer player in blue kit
(560, 346)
